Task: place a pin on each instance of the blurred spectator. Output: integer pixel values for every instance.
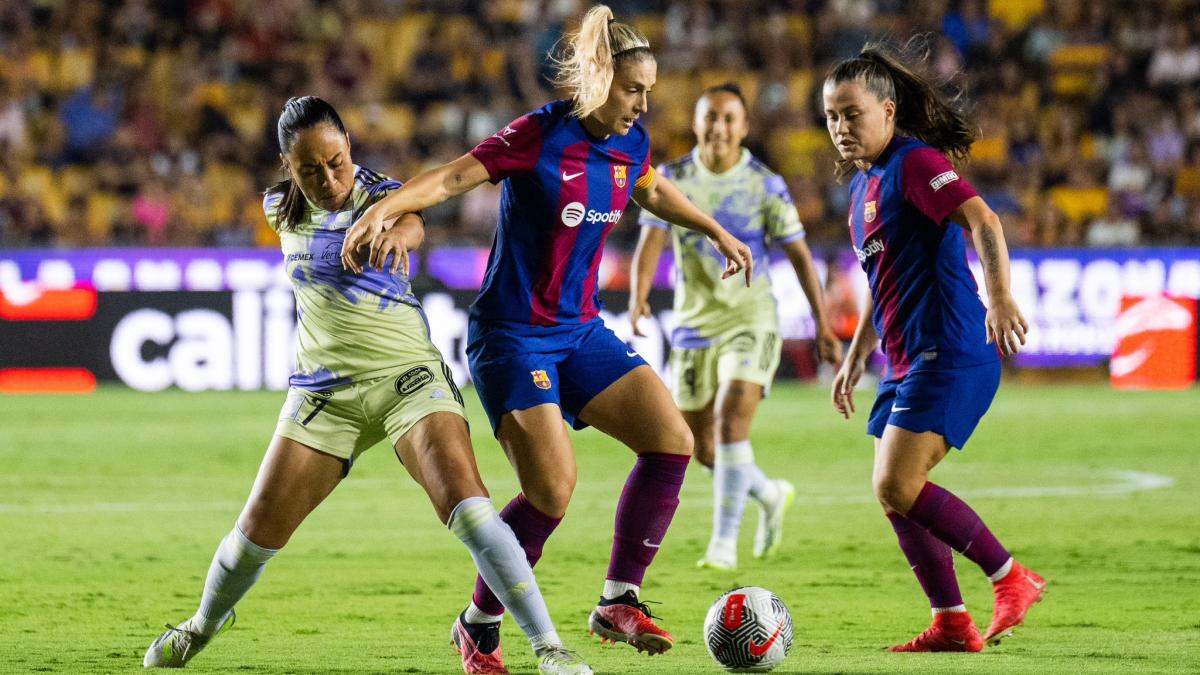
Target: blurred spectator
(137, 122)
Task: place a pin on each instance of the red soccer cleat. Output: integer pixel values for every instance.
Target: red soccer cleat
(1015, 594)
(624, 619)
(950, 632)
(481, 651)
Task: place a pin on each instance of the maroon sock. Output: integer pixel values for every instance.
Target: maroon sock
(532, 528)
(951, 520)
(647, 506)
(931, 560)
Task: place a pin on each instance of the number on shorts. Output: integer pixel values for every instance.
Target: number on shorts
(317, 407)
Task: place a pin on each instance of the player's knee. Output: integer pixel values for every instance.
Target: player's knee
(677, 439)
(732, 428)
(893, 492)
(551, 495)
(262, 532)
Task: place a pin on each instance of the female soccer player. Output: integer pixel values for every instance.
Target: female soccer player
(366, 371)
(894, 130)
(726, 347)
(537, 352)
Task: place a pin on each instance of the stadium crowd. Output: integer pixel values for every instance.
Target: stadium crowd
(131, 122)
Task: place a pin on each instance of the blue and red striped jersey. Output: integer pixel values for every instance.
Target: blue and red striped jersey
(927, 308)
(563, 191)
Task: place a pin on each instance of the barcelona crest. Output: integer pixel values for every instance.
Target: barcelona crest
(620, 174)
(540, 378)
(869, 211)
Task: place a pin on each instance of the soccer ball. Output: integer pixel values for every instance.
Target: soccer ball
(748, 630)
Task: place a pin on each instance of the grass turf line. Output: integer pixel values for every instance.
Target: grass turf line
(112, 504)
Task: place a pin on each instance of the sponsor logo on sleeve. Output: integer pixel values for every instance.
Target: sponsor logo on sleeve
(500, 135)
(413, 379)
(942, 179)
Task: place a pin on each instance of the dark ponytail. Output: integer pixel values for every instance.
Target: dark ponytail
(923, 110)
(299, 113)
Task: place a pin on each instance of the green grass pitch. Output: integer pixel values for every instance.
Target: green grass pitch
(111, 505)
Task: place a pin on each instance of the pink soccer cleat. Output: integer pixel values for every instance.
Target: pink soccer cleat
(950, 632)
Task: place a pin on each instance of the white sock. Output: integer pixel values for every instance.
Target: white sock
(475, 615)
(735, 477)
(544, 642)
(957, 609)
(615, 589)
(235, 567)
(501, 562)
(1002, 572)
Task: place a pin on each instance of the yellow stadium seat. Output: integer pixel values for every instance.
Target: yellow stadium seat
(102, 210)
(1016, 14)
(76, 68)
(248, 120)
(800, 90)
(404, 37)
(1187, 182)
(653, 26)
(1078, 204)
(74, 179)
(990, 151)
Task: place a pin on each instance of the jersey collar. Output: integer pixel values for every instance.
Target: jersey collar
(703, 170)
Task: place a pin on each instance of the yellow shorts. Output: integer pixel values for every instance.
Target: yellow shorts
(750, 355)
(344, 422)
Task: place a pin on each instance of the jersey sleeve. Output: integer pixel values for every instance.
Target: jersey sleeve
(271, 208)
(931, 184)
(780, 218)
(512, 150)
(645, 173)
(648, 219)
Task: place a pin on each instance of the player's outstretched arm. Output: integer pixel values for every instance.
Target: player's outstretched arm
(423, 191)
(407, 234)
(651, 243)
(829, 347)
(1005, 323)
(864, 342)
(664, 200)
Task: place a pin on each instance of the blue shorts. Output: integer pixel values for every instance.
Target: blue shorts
(518, 366)
(949, 402)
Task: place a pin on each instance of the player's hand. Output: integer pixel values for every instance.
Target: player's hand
(829, 347)
(844, 382)
(1005, 325)
(359, 236)
(638, 310)
(393, 242)
(737, 256)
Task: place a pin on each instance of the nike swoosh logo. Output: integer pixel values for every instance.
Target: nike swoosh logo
(757, 650)
(958, 642)
(630, 354)
(646, 542)
(895, 409)
(571, 176)
(1035, 584)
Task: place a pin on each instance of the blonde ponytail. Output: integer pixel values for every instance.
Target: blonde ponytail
(586, 68)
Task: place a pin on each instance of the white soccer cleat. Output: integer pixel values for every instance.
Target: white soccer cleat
(177, 646)
(562, 661)
(769, 535)
(720, 556)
